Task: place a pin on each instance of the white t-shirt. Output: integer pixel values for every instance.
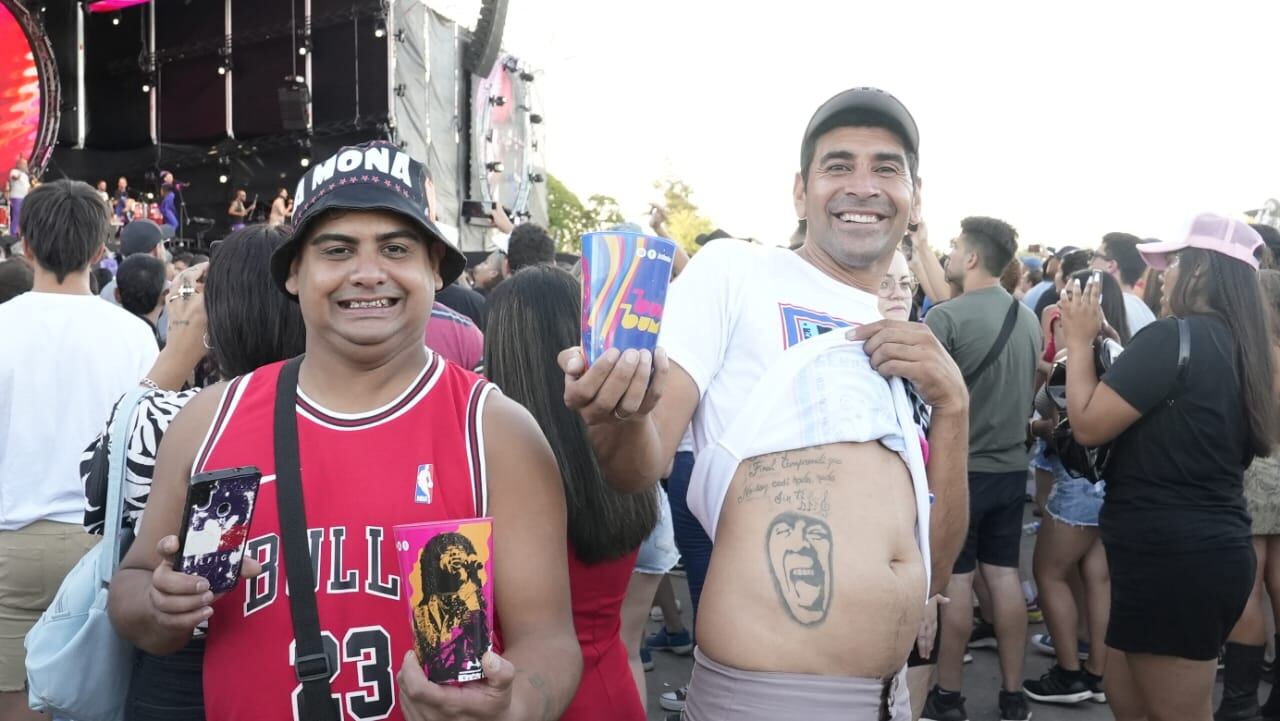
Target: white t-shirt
(736, 307)
(1136, 313)
(19, 184)
(64, 361)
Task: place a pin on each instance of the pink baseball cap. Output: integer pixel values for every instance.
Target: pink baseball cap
(1214, 233)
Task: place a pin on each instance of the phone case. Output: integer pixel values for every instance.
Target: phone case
(218, 514)
(447, 571)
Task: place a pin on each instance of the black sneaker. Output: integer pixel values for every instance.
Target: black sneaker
(943, 707)
(1013, 706)
(983, 635)
(1058, 686)
(1095, 687)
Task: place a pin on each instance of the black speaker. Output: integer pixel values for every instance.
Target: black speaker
(486, 41)
(294, 99)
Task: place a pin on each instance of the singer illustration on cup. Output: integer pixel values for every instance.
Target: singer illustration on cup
(451, 625)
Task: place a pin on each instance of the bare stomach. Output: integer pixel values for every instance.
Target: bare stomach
(815, 567)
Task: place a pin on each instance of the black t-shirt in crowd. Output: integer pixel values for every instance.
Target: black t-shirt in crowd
(464, 300)
(1175, 481)
(1047, 298)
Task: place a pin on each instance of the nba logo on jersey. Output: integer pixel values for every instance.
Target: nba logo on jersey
(422, 490)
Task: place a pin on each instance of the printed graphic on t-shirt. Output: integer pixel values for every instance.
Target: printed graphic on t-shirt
(800, 324)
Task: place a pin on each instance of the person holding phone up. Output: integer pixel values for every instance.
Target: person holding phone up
(1187, 407)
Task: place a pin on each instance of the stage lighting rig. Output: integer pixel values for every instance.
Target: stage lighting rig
(224, 58)
(304, 152)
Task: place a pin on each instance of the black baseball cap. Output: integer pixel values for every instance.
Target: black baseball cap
(140, 236)
(861, 102)
(371, 176)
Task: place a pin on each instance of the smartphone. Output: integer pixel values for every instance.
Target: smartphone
(478, 212)
(215, 525)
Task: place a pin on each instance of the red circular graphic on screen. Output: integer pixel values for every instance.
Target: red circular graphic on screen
(19, 91)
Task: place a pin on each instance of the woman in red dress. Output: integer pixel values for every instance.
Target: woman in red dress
(532, 316)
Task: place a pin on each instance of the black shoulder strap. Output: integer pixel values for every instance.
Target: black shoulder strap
(1010, 319)
(313, 666)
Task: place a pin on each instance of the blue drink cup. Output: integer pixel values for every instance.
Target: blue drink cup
(624, 289)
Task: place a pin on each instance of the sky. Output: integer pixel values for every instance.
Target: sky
(1068, 120)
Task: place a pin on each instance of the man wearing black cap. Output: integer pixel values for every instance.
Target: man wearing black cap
(821, 519)
(139, 237)
(387, 434)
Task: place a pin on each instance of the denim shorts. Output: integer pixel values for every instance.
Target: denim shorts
(1043, 460)
(1074, 501)
(658, 553)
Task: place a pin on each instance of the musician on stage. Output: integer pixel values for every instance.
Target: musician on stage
(168, 203)
(238, 212)
(281, 208)
(121, 206)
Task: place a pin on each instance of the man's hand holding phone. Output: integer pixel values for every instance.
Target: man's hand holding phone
(181, 601)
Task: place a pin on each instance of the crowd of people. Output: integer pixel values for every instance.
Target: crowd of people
(837, 439)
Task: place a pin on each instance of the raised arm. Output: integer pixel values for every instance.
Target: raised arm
(635, 426)
(926, 266)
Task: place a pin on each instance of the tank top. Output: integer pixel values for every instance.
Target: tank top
(419, 458)
(607, 690)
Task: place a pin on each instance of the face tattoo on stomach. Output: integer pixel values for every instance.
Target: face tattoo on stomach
(799, 555)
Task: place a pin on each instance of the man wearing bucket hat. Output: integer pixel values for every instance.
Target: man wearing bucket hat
(818, 579)
(388, 434)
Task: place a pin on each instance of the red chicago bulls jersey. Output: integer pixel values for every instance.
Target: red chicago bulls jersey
(419, 458)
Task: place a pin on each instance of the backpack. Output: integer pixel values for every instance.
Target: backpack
(1083, 461)
(77, 665)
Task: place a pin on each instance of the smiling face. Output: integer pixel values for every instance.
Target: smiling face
(800, 558)
(365, 281)
(859, 195)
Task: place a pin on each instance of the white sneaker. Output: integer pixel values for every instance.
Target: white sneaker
(674, 700)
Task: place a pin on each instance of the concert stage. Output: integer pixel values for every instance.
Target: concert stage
(231, 94)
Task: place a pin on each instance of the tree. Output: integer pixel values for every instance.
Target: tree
(684, 224)
(569, 218)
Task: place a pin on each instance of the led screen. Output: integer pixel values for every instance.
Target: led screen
(20, 90)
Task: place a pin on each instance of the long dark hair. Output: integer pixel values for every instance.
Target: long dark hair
(1112, 302)
(1215, 284)
(1269, 281)
(437, 580)
(532, 316)
(251, 323)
